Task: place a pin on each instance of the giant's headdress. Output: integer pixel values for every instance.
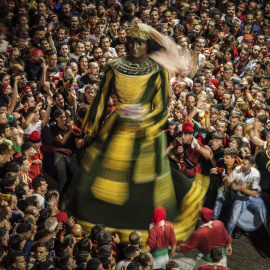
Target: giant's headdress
(169, 55)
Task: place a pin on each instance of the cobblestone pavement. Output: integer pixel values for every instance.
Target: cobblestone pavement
(249, 253)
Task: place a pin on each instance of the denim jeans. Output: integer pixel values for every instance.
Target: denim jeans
(63, 167)
(241, 206)
(218, 205)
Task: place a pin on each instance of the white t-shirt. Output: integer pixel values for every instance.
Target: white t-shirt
(250, 181)
(33, 127)
(122, 263)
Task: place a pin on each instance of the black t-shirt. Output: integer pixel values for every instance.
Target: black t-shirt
(116, 42)
(262, 160)
(70, 143)
(220, 107)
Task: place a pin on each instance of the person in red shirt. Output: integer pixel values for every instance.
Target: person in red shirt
(161, 236)
(216, 256)
(37, 158)
(210, 234)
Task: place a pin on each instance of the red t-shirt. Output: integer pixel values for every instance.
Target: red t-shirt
(159, 238)
(206, 237)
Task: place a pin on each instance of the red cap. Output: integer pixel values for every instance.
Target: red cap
(35, 51)
(248, 37)
(187, 127)
(62, 217)
(159, 214)
(4, 87)
(34, 137)
(207, 214)
(25, 89)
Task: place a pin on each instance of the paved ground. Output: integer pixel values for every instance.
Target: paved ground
(249, 253)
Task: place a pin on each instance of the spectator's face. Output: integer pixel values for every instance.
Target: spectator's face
(191, 103)
(211, 26)
(97, 52)
(41, 254)
(177, 33)
(74, 23)
(10, 5)
(226, 100)
(20, 263)
(264, 82)
(249, 42)
(44, 187)
(52, 61)
(191, 17)
(31, 152)
(167, 17)
(102, 63)
(264, 49)
(250, 19)
(227, 74)
(44, 45)
(252, 6)
(113, 28)
(22, 43)
(122, 35)
(83, 63)
(244, 56)
(230, 11)
(3, 119)
(85, 34)
(260, 39)
(61, 34)
(238, 131)
(213, 119)
(26, 166)
(257, 69)
(146, 14)
(64, 50)
(88, 46)
(75, 67)
(80, 48)
(100, 29)
(221, 90)
(66, 10)
(197, 50)
(41, 8)
(39, 35)
(215, 144)
(92, 20)
(204, 5)
(6, 79)
(94, 69)
(187, 138)
(172, 130)
(228, 56)
(221, 127)
(196, 31)
(154, 16)
(236, 27)
(237, 94)
(183, 42)
(197, 88)
(37, 145)
(204, 19)
(228, 160)
(256, 50)
(183, 97)
(105, 43)
(31, 102)
(60, 101)
(89, 95)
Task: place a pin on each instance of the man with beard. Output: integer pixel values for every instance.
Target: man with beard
(39, 33)
(246, 181)
(255, 53)
(32, 64)
(66, 12)
(258, 69)
(226, 103)
(191, 100)
(242, 62)
(102, 63)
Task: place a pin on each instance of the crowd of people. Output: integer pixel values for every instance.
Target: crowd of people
(53, 59)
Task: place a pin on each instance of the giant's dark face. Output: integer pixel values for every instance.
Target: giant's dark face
(137, 48)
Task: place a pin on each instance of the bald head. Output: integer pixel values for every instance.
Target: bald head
(77, 230)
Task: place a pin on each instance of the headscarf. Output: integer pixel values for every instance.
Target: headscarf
(159, 215)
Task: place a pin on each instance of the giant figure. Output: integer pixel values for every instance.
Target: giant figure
(125, 172)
